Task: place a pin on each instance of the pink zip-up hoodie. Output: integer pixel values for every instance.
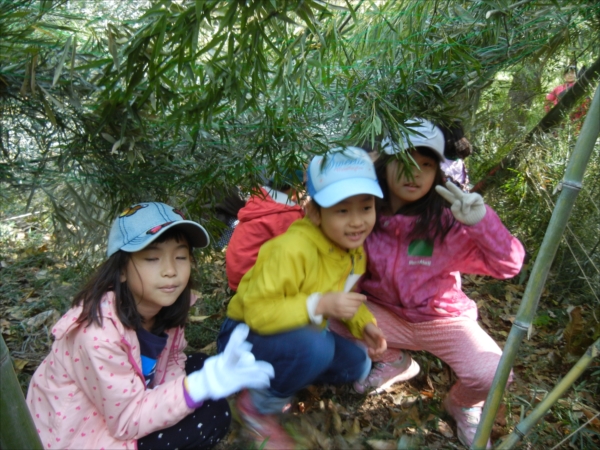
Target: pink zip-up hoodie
(89, 392)
(420, 281)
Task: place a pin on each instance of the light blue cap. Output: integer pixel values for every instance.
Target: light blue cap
(142, 223)
(346, 172)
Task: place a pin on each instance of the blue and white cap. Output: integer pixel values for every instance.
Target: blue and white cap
(346, 172)
(142, 223)
(429, 136)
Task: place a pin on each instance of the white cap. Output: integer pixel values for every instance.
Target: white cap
(346, 172)
(429, 136)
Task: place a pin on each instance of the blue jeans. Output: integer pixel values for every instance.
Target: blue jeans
(301, 357)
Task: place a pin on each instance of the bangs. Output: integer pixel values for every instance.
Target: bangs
(429, 153)
(175, 233)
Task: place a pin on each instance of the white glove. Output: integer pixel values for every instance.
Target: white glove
(230, 371)
(467, 208)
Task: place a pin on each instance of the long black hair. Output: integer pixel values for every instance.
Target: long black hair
(432, 223)
(456, 144)
(108, 278)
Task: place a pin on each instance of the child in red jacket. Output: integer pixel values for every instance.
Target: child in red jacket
(552, 99)
(267, 214)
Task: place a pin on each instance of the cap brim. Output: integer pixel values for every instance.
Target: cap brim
(195, 233)
(415, 141)
(341, 190)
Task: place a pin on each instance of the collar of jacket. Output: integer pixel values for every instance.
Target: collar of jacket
(108, 311)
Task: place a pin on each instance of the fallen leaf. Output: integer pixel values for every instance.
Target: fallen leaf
(46, 318)
(210, 349)
(41, 274)
(377, 444)
(444, 429)
(19, 364)
(5, 327)
(337, 421)
(593, 417)
(409, 442)
(197, 319)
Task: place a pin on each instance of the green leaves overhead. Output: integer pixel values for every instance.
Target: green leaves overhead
(235, 87)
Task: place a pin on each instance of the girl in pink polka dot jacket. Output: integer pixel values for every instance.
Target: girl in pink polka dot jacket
(116, 376)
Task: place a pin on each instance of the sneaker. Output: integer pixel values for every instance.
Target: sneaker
(467, 420)
(383, 375)
(264, 429)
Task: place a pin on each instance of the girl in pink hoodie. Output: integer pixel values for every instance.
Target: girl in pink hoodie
(416, 254)
(116, 376)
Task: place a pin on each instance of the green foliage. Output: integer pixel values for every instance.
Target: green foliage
(107, 103)
(534, 189)
(175, 101)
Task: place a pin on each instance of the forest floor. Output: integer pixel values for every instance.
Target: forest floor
(36, 288)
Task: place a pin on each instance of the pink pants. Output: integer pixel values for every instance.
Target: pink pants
(460, 342)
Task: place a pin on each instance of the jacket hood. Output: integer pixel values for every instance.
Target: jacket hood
(260, 205)
(68, 322)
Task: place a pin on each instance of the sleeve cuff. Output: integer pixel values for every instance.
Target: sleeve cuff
(311, 305)
(188, 400)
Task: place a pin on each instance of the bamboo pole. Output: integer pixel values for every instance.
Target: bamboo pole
(17, 430)
(542, 408)
(570, 189)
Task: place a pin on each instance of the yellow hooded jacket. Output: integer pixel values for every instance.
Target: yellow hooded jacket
(271, 297)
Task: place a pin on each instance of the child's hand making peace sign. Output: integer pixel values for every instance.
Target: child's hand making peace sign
(467, 208)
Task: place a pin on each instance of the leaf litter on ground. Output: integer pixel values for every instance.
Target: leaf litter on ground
(407, 415)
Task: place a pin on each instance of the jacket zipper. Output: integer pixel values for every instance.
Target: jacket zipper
(398, 245)
(170, 353)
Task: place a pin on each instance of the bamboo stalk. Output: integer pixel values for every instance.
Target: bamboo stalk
(570, 189)
(17, 430)
(542, 408)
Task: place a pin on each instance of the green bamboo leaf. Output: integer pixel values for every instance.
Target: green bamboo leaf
(108, 137)
(94, 64)
(49, 111)
(44, 26)
(158, 43)
(283, 17)
(116, 145)
(73, 53)
(57, 103)
(218, 39)
(61, 62)
(112, 48)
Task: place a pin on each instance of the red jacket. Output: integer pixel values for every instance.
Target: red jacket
(556, 94)
(260, 220)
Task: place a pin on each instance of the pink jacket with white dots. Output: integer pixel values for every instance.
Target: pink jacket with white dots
(89, 392)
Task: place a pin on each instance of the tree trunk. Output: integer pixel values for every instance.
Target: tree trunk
(526, 84)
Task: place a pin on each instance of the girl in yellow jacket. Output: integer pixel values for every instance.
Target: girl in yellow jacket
(300, 279)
